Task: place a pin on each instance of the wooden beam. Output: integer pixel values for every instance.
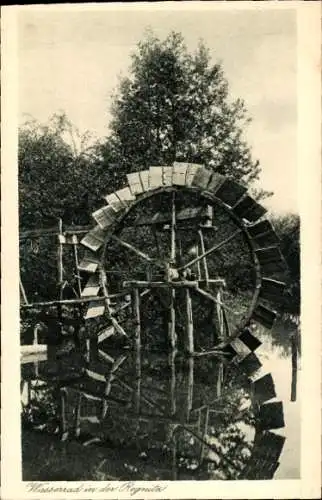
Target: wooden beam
(172, 358)
(135, 250)
(213, 299)
(137, 338)
(189, 323)
(52, 231)
(211, 250)
(160, 284)
(190, 387)
(75, 249)
(204, 260)
(68, 302)
(22, 291)
(173, 229)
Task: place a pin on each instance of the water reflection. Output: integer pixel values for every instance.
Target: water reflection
(167, 416)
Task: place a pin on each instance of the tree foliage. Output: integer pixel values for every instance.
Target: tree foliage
(288, 229)
(60, 174)
(175, 106)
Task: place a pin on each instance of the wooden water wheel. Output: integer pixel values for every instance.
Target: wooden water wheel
(195, 245)
(180, 259)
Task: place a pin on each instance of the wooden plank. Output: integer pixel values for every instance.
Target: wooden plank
(271, 416)
(105, 216)
(92, 287)
(179, 173)
(264, 316)
(215, 182)
(33, 233)
(144, 177)
(230, 192)
(32, 353)
(125, 196)
(134, 183)
(272, 289)
(88, 264)
(106, 333)
(137, 340)
(249, 339)
(240, 348)
(192, 169)
(264, 388)
(247, 208)
(201, 178)
(250, 364)
(155, 177)
(94, 239)
(68, 239)
(189, 323)
(266, 451)
(167, 173)
(270, 258)
(94, 310)
(114, 202)
(263, 234)
(98, 377)
(268, 445)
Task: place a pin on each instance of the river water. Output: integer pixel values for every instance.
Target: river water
(197, 420)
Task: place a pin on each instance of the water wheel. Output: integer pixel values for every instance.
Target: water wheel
(190, 250)
(181, 261)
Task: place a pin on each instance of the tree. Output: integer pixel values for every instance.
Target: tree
(288, 230)
(59, 174)
(176, 106)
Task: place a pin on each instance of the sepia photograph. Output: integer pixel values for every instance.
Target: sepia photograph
(160, 223)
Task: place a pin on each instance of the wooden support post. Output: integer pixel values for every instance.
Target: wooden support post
(220, 376)
(173, 230)
(35, 342)
(78, 414)
(220, 318)
(294, 349)
(198, 265)
(204, 434)
(75, 248)
(190, 387)
(172, 321)
(189, 323)
(63, 421)
(137, 336)
(174, 449)
(204, 260)
(172, 358)
(22, 291)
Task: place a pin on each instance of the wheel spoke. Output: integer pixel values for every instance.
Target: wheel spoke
(213, 299)
(138, 252)
(211, 250)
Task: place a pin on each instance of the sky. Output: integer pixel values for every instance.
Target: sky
(71, 60)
